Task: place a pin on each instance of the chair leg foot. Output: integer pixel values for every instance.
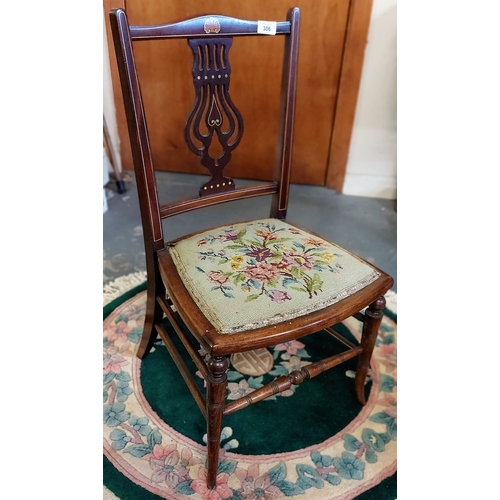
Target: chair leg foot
(373, 318)
(216, 396)
(148, 338)
(120, 186)
(154, 314)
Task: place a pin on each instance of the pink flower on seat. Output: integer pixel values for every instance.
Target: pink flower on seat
(292, 258)
(279, 296)
(263, 272)
(217, 277)
(267, 235)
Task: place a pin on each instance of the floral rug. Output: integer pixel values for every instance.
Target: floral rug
(311, 442)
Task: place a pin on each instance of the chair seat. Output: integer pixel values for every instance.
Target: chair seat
(255, 274)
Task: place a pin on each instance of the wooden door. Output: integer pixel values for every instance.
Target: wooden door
(168, 93)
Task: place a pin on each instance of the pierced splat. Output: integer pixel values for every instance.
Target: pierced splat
(214, 126)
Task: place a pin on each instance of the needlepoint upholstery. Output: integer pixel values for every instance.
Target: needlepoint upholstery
(259, 273)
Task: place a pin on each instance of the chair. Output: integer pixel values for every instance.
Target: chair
(245, 286)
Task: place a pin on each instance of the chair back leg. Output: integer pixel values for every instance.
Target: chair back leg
(371, 325)
(154, 315)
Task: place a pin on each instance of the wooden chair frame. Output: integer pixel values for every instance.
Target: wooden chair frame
(192, 327)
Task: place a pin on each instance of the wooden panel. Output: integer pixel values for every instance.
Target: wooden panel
(322, 38)
(121, 121)
(352, 65)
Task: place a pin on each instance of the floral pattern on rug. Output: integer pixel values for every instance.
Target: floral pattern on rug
(286, 358)
(152, 454)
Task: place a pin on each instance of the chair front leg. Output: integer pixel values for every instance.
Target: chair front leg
(371, 325)
(216, 396)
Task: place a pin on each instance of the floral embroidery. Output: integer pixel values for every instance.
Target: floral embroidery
(236, 261)
(315, 242)
(263, 272)
(278, 270)
(268, 262)
(279, 296)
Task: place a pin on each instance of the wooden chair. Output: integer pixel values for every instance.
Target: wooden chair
(246, 286)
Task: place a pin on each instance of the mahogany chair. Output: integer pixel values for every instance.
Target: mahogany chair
(245, 286)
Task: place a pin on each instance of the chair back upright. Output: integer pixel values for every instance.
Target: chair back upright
(213, 117)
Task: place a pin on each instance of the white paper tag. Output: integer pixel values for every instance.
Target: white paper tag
(266, 27)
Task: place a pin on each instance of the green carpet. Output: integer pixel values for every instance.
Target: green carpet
(313, 442)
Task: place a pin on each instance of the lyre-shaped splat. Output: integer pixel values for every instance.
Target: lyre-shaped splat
(213, 116)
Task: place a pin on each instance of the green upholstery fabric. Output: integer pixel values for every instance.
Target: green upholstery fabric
(260, 273)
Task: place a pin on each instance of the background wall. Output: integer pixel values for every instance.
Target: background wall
(108, 99)
(371, 166)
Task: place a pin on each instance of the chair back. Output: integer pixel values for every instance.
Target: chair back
(214, 126)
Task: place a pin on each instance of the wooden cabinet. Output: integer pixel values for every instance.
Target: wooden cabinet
(332, 39)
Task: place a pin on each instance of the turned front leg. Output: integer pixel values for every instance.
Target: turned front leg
(216, 396)
(371, 325)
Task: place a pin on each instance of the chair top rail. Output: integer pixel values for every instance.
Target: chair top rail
(206, 26)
